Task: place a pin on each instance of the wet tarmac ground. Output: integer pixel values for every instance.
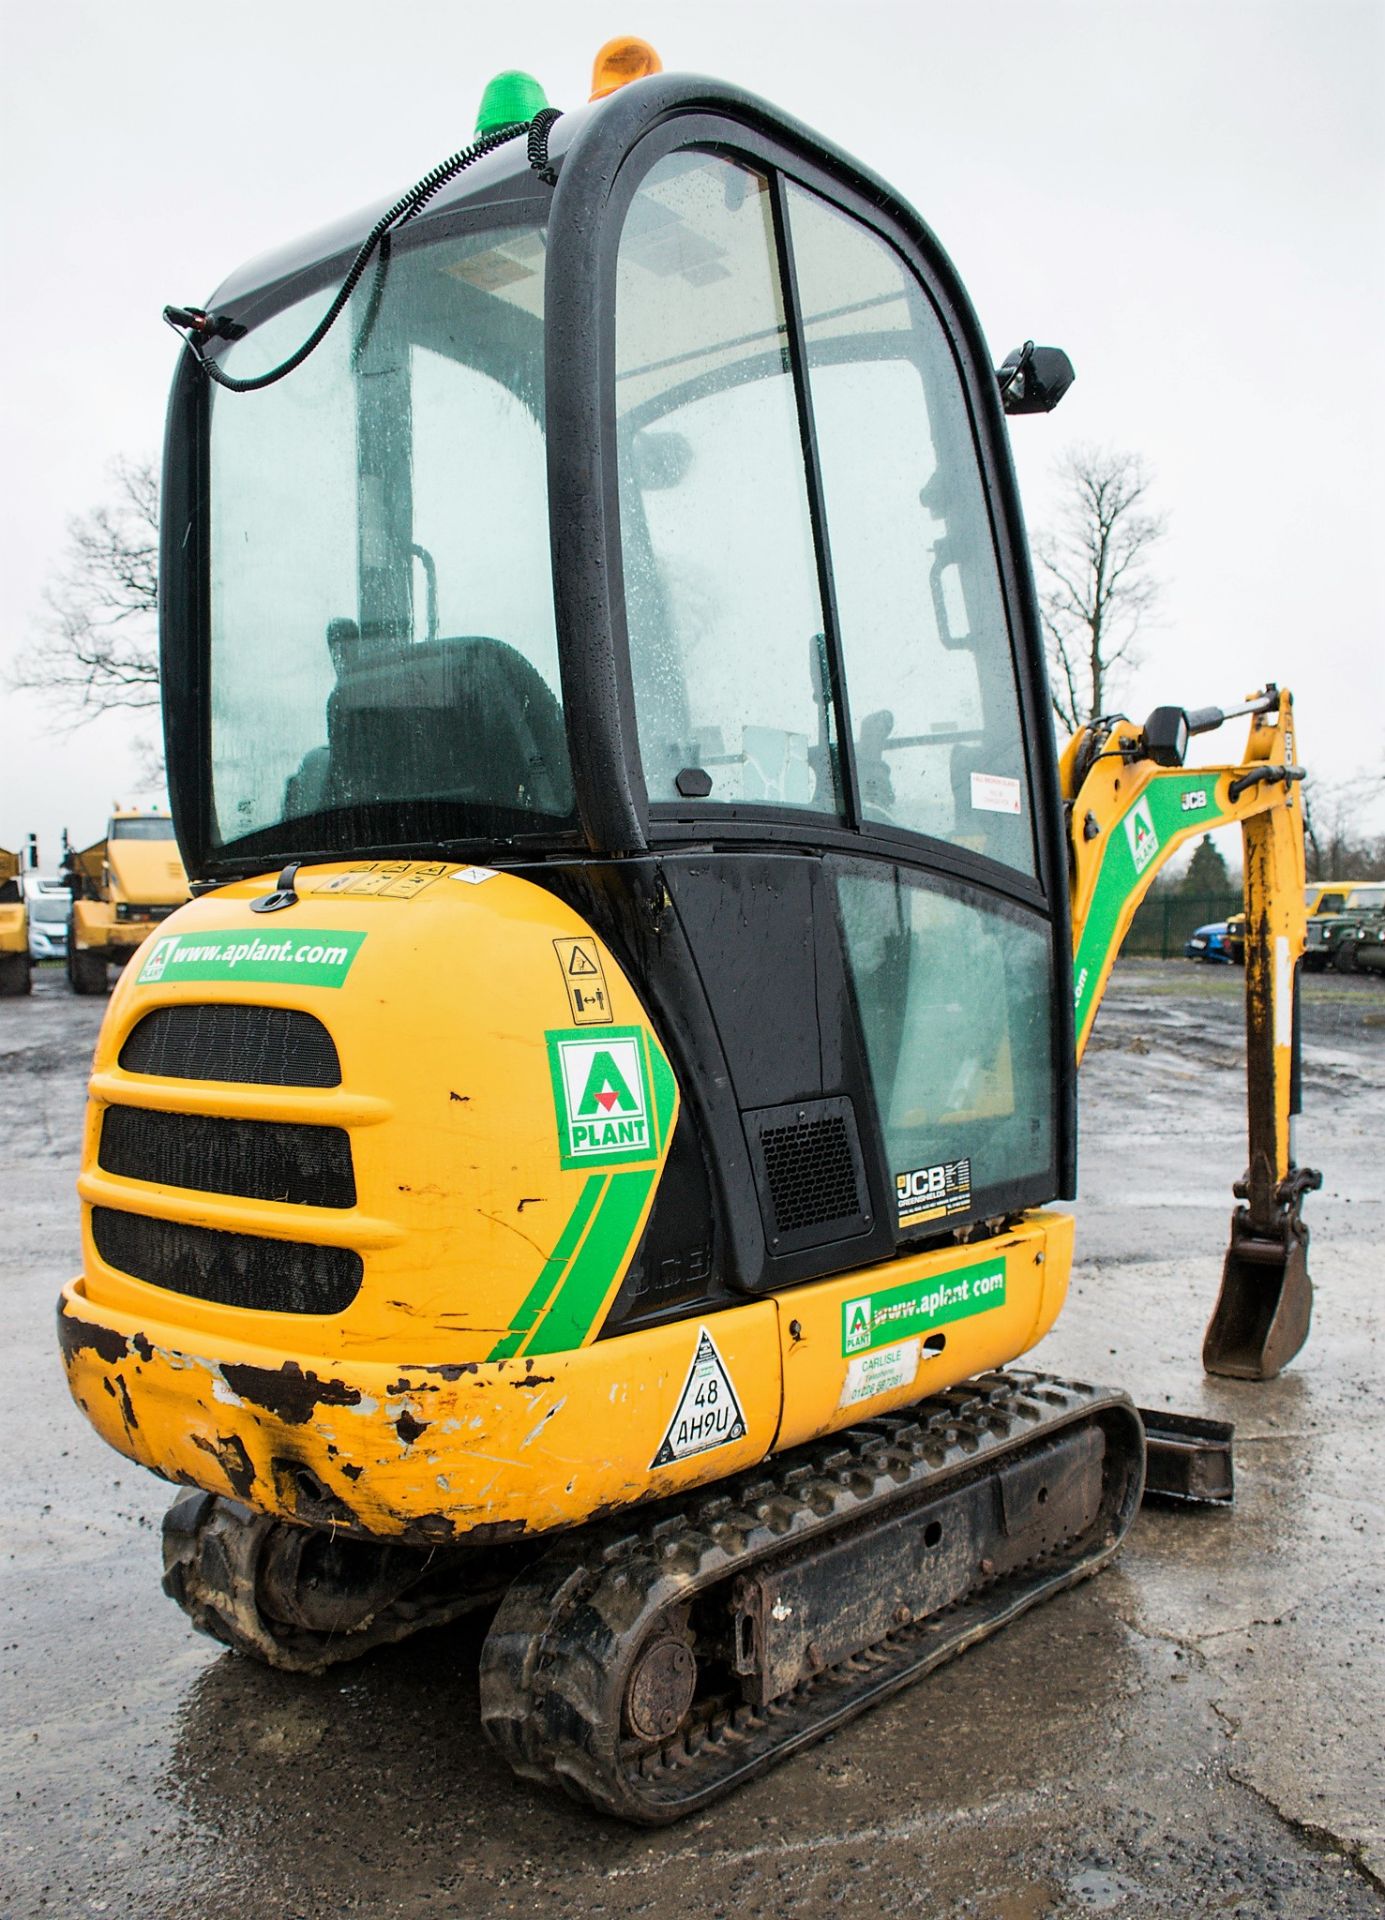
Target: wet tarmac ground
(1197, 1731)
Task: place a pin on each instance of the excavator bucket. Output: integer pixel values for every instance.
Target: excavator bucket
(1265, 1304)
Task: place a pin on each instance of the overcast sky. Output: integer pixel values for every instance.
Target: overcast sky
(1188, 195)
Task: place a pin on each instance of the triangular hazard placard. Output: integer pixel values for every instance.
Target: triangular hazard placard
(581, 962)
(708, 1413)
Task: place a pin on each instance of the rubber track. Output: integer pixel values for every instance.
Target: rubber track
(554, 1665)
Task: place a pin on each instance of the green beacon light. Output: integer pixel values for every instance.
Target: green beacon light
(509, 99)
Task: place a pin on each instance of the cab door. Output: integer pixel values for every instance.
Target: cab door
(834, 692)
(947, 936)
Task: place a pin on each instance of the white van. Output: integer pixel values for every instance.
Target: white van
(50, 905)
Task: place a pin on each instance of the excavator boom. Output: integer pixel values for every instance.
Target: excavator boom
(1131, 804)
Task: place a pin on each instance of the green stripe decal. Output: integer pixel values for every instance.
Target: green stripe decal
(665, 1089)
(552, 1270)
(1170, 808)
(603, 1252)
(594, 1248)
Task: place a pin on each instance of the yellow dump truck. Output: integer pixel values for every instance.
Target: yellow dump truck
(14, 927)
(121, 886)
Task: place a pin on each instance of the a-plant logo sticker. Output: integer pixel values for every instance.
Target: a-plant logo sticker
(601, 1097)
(1139, 831)
(856, 1325)
(883, 1319)
(307, 957)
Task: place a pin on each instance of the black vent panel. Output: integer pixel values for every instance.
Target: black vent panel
(232, 1269)
(256, 1159)
(810, 1173)
(808, 1168)
(252, 1046)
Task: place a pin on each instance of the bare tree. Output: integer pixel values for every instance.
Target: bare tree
(99, 647)
(1096, 589)
(1339, 846)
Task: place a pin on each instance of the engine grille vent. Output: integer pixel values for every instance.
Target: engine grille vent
(232, 1269)
(809, 1172)
(255, 1046)
(257, 1159)
(811, 1178)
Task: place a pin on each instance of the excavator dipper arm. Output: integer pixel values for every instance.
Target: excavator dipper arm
(1130, 804)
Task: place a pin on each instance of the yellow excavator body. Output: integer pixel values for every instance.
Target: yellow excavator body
(423, 1409)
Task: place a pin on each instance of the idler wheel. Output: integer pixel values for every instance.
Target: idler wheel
(661, 1686)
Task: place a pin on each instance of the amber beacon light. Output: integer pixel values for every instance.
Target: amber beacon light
(621, 61)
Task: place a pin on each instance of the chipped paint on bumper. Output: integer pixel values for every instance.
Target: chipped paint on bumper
(477, 1450)
(483, 1450)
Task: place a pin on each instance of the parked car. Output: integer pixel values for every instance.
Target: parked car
(1209, 943)
(1321, 897)
(1361, 949)
(1326, 896)
(1361, 915)
(50, 903)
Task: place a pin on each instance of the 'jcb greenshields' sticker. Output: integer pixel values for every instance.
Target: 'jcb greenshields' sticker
(878, 1319)
(306, 957)
(601, 1096)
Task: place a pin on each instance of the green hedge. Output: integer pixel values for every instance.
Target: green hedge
(1164, 921)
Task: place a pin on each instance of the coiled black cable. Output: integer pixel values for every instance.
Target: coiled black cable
(197, 327)
(539, 129)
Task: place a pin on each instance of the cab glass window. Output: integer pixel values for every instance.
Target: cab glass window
(721, 594)
(384, 662)
(925, 640)
(147, 828)
(955, 993)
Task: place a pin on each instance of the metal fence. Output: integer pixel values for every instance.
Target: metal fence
(1164, 921)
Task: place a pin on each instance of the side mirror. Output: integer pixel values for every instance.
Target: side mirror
(1034, 379)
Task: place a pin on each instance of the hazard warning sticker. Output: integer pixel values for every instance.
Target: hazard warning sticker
(585, 981)
(995, 793)
(380, 880)
(708, 1413)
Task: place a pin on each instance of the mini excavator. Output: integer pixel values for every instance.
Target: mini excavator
(586, 1151)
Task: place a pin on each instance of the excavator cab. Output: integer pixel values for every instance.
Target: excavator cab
(588, 1144)
(659, 528)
